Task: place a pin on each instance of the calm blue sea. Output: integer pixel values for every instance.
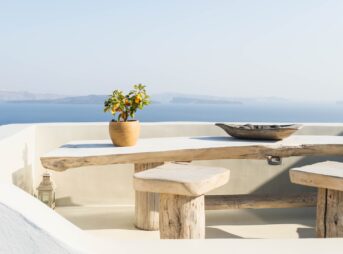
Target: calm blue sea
(254, 112)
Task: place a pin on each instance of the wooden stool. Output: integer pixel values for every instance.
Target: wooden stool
(182, 188)
(328, 178)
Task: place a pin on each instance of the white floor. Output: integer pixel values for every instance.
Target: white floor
(116, 222)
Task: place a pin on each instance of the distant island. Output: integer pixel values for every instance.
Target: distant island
(7, 96)
(161, 98)
(88, 99)
(177, 98)
(190, 100)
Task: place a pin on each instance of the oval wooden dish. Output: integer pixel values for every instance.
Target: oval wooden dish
(266, 132)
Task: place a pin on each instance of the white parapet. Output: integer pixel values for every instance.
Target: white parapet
(22, 145)
(28, 226)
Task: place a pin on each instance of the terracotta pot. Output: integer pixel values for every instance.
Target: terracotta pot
(124, 133)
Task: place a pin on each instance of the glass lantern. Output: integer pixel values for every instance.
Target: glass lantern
(46, 190)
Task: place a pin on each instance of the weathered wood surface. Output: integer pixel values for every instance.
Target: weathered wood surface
(181, 179)
(328, 177)
(329, 222)
(146, 204)
(321, 212)
(249, 131)
(182, 217)
(102, 152)
(334, 214)
(327, 174)
(254, 201)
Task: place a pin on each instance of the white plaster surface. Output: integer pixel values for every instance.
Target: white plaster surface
(85, 148)
(28, 226)
(21, 147)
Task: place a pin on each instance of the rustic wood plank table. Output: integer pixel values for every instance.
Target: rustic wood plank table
(151, 152)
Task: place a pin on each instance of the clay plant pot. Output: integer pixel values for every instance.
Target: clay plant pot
(124, 133)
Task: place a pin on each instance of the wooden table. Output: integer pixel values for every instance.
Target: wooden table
(150, 152)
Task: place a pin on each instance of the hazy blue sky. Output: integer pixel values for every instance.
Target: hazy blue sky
(234, 48)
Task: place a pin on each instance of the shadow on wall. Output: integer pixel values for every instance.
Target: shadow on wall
(66, 201)
(282, 181)
(23, 176)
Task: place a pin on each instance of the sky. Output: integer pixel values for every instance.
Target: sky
(291, 49)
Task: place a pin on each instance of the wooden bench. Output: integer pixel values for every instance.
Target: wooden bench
(328, 178)
(182, 188)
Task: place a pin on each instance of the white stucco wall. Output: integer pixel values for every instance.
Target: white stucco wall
(105, 185)
(17, 151)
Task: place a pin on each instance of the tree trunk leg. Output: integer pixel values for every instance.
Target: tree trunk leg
(329, 213)
(321, 212)
(334, 213)
(182, 217)
(146, 203)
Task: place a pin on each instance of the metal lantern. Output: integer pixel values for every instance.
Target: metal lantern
(46, 190)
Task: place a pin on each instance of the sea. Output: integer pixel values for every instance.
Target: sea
(245, 112)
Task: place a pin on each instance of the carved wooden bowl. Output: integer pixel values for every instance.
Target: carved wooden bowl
(266, 132)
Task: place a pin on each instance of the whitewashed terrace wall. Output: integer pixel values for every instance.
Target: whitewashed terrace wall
(112, 185)
(17, 151)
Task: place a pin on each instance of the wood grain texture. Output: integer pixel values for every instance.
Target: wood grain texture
(263, 132)
(328, 177)
(102, 152)
(181, 179)
(329, 221)
(334, 214)
(251, 201)
(182, 217)
(146, 204)
(321, 213)
(327, 174)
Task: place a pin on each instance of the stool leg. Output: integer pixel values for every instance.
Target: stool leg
(182, 217)
(146, 203)
(329, 213)
(321, 211)
(334, 214)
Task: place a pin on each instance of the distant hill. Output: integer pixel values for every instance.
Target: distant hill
(27, 97)
(19, 96)
(91, 99)
(208, 99)
(88, 99)
(190, 100)
(178, 98)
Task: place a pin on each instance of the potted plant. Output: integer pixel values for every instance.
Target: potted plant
(123, 129)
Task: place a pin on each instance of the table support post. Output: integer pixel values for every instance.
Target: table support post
(329, 213)
(146, 204)
(321, 213)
